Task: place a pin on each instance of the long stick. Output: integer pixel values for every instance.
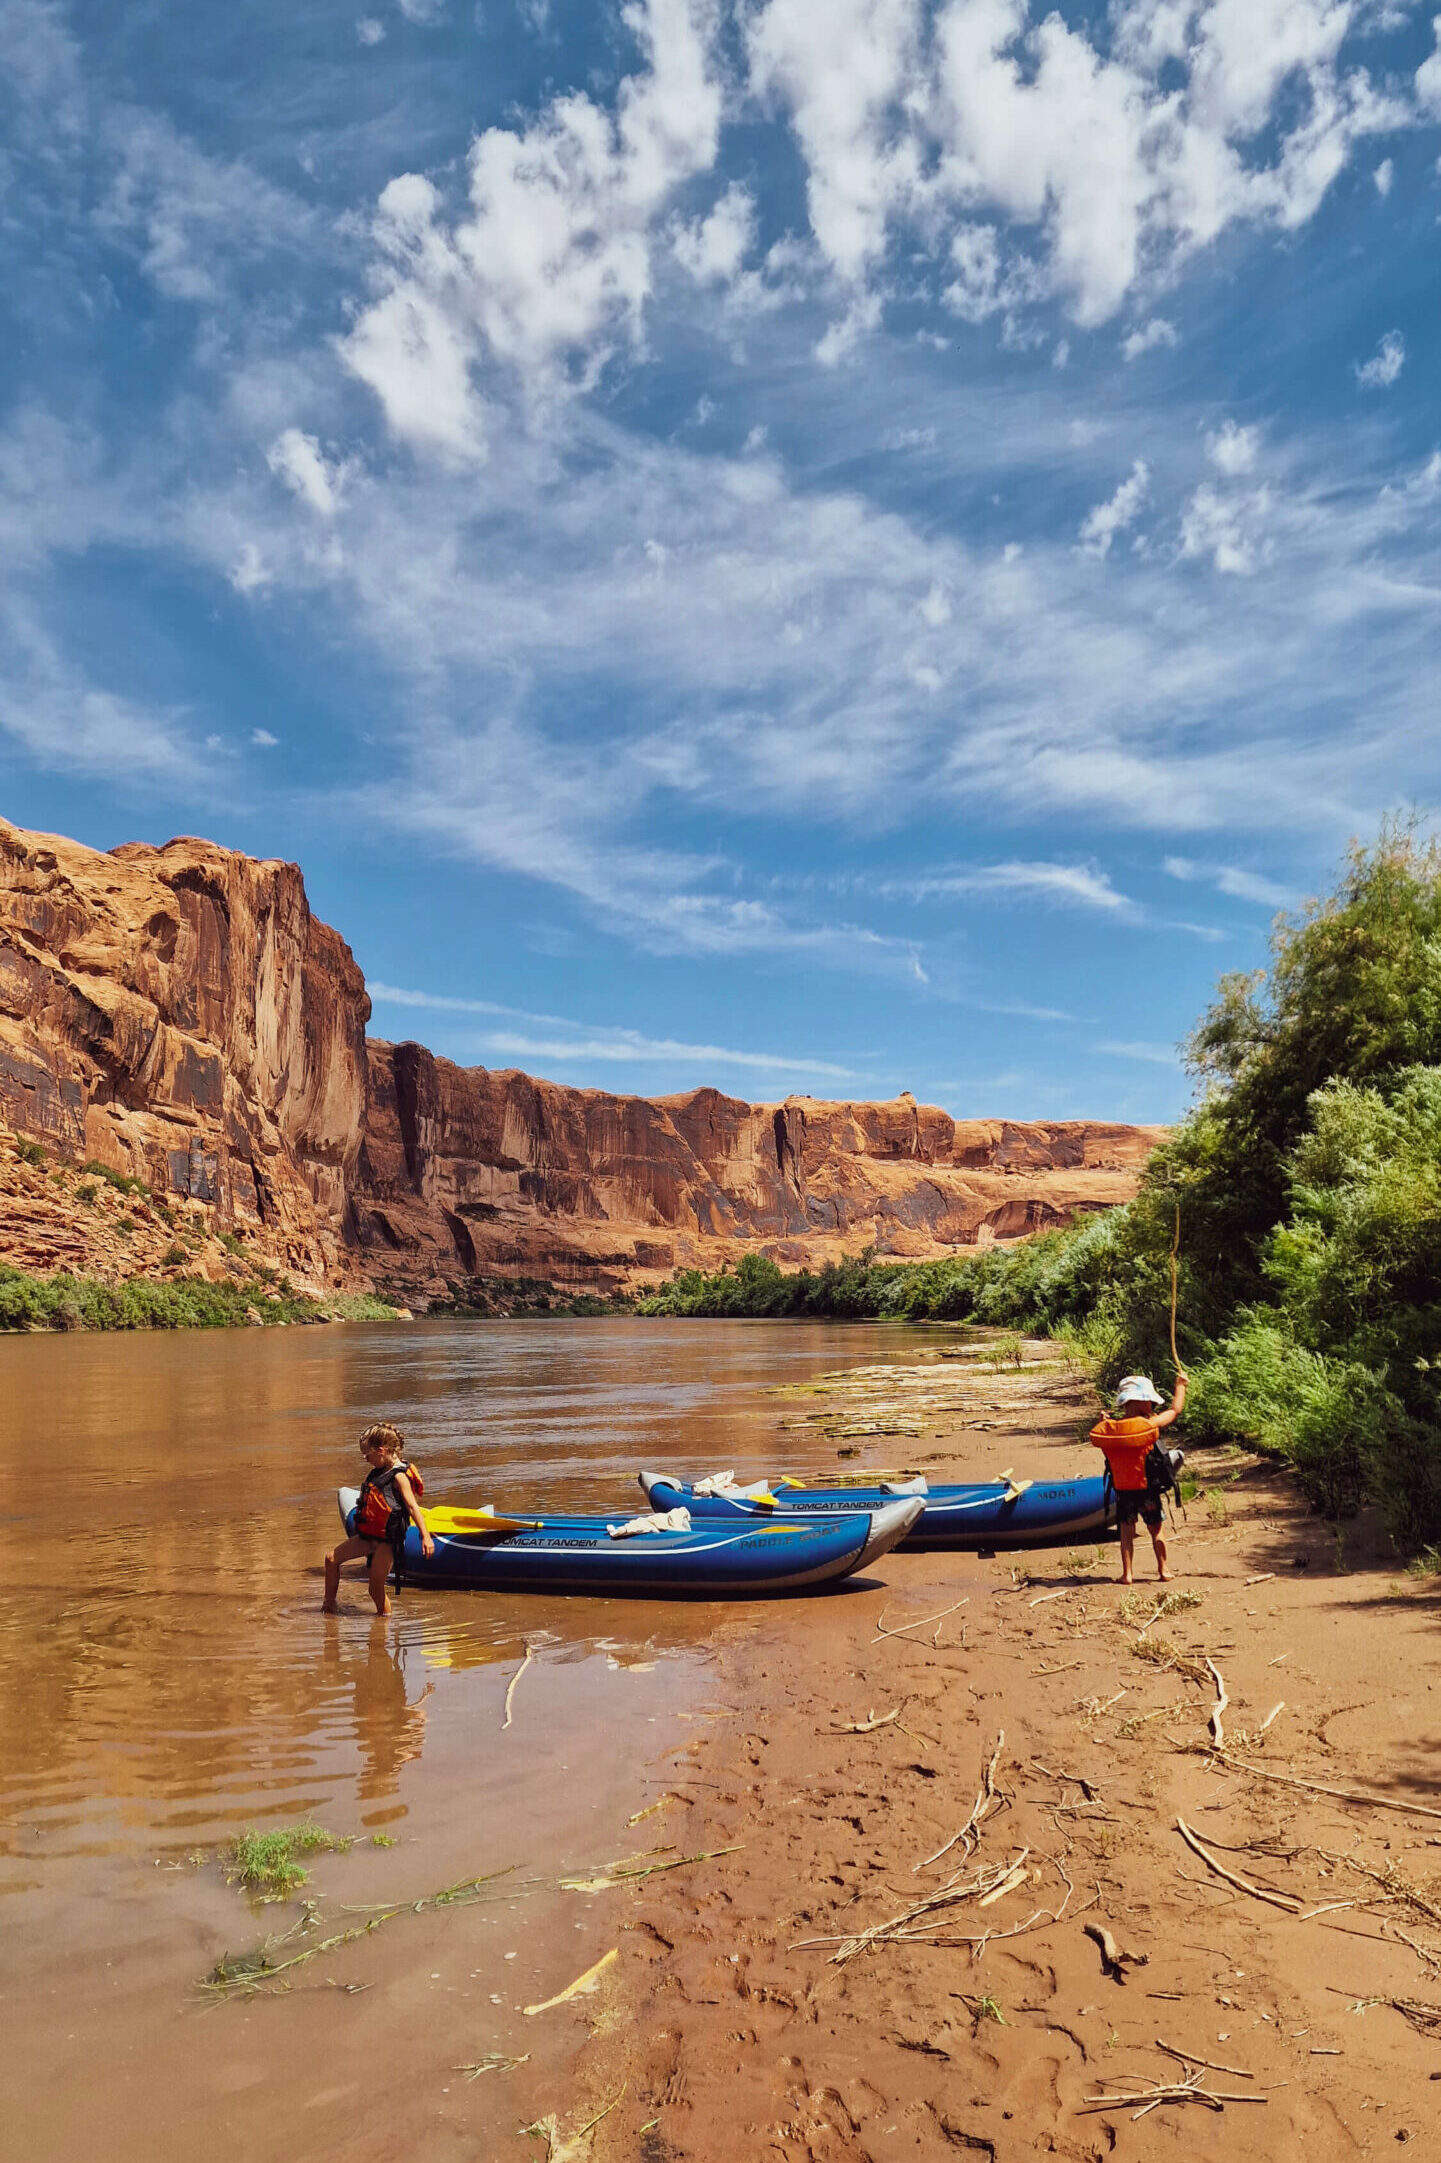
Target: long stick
(1175, 1251)
(1244, 1885)
(515, 1678)
(1314, 1787)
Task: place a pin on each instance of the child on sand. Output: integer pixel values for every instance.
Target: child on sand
(389, 1500)
(1127, 1441)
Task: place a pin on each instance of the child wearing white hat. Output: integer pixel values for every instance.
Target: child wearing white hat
(1127, 1441)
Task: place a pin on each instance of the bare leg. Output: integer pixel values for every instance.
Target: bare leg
(380, 1564)
(1158, 1541)
(1128, 1550)
(345, 1552)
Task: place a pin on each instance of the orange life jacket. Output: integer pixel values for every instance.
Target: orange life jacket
(380, 1514)
(1127, 1444)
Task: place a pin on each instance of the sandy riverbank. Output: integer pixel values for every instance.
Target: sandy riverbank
(727, 2027)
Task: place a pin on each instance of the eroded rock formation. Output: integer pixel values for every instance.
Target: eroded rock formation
(177, 1015)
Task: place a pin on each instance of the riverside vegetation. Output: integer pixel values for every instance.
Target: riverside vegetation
(1308, 1184)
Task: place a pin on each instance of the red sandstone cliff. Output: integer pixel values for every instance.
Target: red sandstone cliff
(177, 1014)
(466, 1170)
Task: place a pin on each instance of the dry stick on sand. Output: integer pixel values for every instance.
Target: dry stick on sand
(1181, 2091)
(1188, 2057)
(1316, 1787)
(921, 1622)
(988, 1799)
(1213, 1718)
(1285, 1901)
(870, 1723)
(1114, 1959)
(515, 1678)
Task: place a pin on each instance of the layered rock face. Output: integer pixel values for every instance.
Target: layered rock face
(178, 1016)
(468, 1171)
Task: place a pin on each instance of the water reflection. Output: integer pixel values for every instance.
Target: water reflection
(164, 1672)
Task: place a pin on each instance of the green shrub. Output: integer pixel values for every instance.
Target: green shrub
(30, 1153)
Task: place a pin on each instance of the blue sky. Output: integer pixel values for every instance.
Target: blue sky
(840, 545)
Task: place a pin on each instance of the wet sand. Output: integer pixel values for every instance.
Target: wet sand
(730, 2028)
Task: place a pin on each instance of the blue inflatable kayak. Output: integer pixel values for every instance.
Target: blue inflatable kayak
(997, 1513)
(716, 1558)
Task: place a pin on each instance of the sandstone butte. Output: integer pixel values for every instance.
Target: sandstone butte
(178, 1016)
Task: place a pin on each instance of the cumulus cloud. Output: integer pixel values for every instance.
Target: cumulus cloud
(1385, 364)
(1101, 525)
(1233, 450)
(549, 268)
(1147, 337)
(369, 31)
(298, 460)
(1227, 527)
(712, 249)
(1383, 176)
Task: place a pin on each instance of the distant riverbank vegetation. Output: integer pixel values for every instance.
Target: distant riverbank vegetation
(1308, 1182)
(68, 1302)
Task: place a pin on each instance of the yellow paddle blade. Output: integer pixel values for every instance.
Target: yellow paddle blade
(451, 1522)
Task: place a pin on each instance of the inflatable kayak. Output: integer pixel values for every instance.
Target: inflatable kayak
(715, 1558)
(996, 1513)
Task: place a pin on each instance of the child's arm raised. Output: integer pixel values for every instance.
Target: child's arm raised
(1177, 1405)
(407, 1495)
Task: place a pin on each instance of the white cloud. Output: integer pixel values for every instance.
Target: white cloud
(1147, 336)
(66, 724)
(1428, 75)
(1232, 449)
(298, 460)
(421, 11)
(1229, 528)
(550, 267)
(936, 607)
(1383, 176)
(250, 572)
(1230, 879)
(627, 1047)
(369, 31)
(263, 740)
(1386, 363)
(1071, 885)
(713, 248)
(1101, 525)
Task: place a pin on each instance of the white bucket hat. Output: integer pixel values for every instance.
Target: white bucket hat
(1138, 1389)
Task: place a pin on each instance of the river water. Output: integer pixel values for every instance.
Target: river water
(167, 1679)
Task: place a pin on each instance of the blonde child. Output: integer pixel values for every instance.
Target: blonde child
(389, 1500)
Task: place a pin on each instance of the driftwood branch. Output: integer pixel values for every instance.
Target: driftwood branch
(1114, 1959)
(1213, 1718)
(988, 1798)
(1316, 1787)
(1284, 1901)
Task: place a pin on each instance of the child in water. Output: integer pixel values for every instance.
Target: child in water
(389, 1500)
(1127, 1441)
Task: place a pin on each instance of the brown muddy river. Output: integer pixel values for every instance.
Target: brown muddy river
(167, 1679)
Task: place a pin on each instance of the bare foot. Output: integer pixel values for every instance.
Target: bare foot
(328, 1607)
(1126, 1580)
(1163, 1577)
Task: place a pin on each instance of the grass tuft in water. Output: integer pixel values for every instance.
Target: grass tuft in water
(267, 1862)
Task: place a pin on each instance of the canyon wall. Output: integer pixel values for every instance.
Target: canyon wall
(179, 1017)
(469, 1171)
